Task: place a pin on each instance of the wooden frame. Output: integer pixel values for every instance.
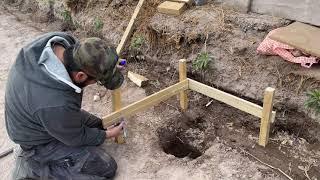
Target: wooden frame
(265, 113)
(145, 103)
(229, 99)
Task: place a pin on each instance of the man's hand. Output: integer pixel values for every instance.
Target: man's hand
(115, 131)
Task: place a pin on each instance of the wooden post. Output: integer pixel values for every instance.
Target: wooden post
(116, 105)
(116, 94)
(266, 116)
(145, 103)
(182, 77)
(116, 99)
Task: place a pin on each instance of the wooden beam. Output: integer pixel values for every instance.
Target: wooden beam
(182, 77)
(145, 103)
(116, 94)
(229, 99)
(116, 105)
(266, 116)
(172, 8)
(129, 28)
(116, 99)
(137, 79)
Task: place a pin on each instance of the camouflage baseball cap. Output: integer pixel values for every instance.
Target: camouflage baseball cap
(98, 60)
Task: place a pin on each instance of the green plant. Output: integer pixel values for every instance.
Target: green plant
(137, 42)
(98, 24)
(67, 18)
(313, 101)
(201, 63)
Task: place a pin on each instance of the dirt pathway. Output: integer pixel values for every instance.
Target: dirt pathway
(13, 35)
(142, 157)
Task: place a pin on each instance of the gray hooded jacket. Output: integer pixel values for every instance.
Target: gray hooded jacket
(40, 109)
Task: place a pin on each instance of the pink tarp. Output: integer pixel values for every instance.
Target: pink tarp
(272, 47)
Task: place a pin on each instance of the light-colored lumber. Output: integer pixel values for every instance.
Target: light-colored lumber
(120, 139)
(172, 8)
(116, 99)
(229, 99)
(116, 94)
(189, 2)
(182, 77)
(266, 116)
(137, 79)
(145, 103)
(129, 28)
(116, 105)
(300, 36)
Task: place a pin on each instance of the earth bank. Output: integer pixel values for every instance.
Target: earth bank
(231, 40)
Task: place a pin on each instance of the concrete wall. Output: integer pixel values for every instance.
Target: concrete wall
(239, 5)
(301, 10)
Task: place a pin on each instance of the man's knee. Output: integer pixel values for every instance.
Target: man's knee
(113, 167)
(100, 165)
(110, 166)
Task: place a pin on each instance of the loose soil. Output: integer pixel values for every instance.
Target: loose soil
(291, 143)
(206, 142)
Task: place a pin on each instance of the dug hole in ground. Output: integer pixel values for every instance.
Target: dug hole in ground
(212, 141)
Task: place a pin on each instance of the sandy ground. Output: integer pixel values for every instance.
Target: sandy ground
(141, 157)
(13, 35)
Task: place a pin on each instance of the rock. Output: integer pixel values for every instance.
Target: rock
(96, 98)
(117, 3)
(199, 2)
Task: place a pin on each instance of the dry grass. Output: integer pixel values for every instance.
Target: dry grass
(76, 5)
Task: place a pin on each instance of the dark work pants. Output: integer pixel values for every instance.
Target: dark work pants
(58, 161)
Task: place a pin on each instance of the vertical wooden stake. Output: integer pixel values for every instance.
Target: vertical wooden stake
(116, 99)
(116, 95)
(116, 105)
(183, 76)
(266, 116)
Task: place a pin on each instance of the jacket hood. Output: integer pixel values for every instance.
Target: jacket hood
(27, 62)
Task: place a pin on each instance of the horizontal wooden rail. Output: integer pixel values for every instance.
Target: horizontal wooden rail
(145, 103)
(229, 99)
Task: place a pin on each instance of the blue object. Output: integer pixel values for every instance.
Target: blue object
(122, 62)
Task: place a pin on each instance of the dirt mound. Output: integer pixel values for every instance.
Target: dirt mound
(195, 24)
(255, 22)
(231, 39)
(219, 137)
